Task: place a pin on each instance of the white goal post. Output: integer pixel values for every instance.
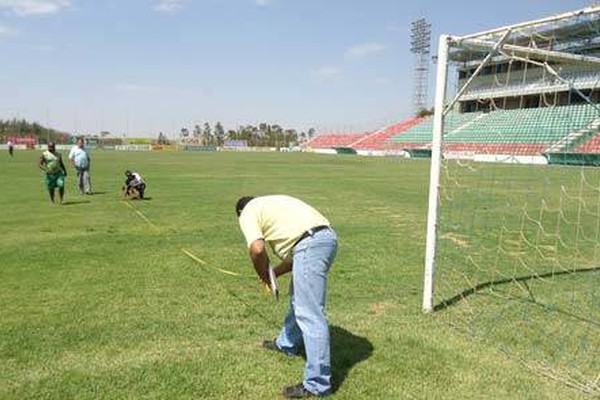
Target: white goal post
(495, 43)
(512, 255)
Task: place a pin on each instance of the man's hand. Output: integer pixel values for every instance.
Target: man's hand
(283, 268)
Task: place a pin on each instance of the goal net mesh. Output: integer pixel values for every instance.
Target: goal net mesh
(517, 261)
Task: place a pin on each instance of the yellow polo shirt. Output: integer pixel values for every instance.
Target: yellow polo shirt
(280, 220)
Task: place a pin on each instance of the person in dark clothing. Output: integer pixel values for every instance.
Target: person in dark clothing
(134, 185)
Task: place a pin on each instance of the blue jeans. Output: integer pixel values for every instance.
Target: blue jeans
(305, 322)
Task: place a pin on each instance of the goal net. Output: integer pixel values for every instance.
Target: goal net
(513, 231)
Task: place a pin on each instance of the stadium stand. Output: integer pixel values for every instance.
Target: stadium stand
(378, 140)
(519, 131)
(591, 146)
(334, 140)
(421, 134)
(541, 84)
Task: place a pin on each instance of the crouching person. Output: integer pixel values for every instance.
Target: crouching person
(134, 185)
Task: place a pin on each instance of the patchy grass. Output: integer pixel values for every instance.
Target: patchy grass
(98, 303)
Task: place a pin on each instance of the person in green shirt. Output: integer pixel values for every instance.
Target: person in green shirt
(51, 163)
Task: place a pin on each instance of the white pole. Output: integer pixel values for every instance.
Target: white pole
(434, 176)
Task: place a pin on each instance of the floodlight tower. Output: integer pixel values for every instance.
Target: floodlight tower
(420, 46)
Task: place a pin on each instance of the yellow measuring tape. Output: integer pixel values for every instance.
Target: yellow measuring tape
(184, 251)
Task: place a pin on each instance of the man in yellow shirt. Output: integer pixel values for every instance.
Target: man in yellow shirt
(307, 245)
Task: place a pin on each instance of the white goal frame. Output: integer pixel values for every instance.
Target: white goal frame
(479, 41)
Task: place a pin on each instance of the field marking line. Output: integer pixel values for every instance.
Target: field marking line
(138, 212)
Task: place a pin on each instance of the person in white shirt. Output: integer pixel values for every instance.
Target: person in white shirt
(80, 160)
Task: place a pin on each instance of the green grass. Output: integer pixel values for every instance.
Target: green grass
(95, 303)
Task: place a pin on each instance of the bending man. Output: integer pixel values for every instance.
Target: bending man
(305, 242)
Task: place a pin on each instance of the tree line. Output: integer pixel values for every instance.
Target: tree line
(21, 127)
(263, 135)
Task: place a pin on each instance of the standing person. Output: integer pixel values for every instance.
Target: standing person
(134, 185)
(80, 160)
(11, 148)
(51, 163)
(307, 245)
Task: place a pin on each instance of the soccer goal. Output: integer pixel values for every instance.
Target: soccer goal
(513, 229)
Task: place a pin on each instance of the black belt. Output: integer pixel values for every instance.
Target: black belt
(311, 232)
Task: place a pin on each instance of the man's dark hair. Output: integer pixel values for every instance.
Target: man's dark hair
(241, 203)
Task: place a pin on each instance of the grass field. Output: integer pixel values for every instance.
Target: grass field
(98, 303)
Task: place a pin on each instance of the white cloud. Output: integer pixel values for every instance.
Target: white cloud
(396, 28)
(168, 6)
(33, 7)
(383, 81)
(364, 50)
(45, 48)
(135, 88)
(4, 31)
(265, 3)
(327, 74)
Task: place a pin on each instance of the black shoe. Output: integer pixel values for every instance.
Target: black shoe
(297, 392)
(272, 345)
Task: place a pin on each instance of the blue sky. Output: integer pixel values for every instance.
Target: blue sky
(138, 67)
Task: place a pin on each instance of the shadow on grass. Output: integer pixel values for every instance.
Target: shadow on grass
(138, 199)
(347, 350)
(477, 288)
(74, 202)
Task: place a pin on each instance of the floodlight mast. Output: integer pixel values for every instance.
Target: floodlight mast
(420, 42)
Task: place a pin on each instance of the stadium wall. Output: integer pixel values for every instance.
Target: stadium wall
(133, 147)
(579, 159)
(510, 159)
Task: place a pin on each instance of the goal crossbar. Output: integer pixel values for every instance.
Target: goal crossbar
(515, 50)
(535, 23)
